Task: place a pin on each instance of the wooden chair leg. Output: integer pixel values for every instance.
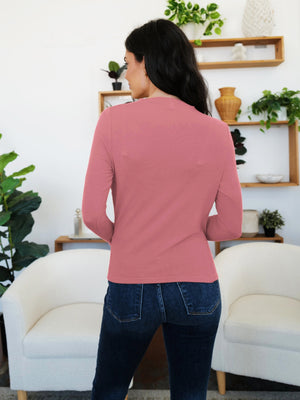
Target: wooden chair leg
(22, 395)
(126, 398)
(221, 379)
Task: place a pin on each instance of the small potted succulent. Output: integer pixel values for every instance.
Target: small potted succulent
(239, 146)
(271, 104)
(270, 220)
(189, 15)
(114, 71)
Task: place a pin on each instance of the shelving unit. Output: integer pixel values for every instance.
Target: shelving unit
(110, 93)
(277, 41)
(293, 155)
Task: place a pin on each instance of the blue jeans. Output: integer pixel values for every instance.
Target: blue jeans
(189, 313)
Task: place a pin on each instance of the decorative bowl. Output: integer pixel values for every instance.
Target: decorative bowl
(269, 178)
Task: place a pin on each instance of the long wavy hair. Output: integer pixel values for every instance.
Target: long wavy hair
(170, 61)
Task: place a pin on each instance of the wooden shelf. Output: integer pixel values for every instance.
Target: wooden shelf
(102, 95)
(293, 154)
(277, 41)
(258, 238)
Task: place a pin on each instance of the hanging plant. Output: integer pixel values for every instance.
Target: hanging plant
(181, 13)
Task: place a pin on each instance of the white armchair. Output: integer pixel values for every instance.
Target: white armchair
(52, 318)
(259, 331)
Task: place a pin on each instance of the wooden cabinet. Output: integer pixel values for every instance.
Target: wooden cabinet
(276, 41)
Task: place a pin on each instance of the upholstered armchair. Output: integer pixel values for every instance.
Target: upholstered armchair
(52, 318)
(259, 331)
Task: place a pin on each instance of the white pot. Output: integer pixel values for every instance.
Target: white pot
(193, 31)
(250, 226)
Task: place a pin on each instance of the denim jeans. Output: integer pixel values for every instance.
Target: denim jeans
(189, 313)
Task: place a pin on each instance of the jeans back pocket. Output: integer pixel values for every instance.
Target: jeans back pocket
(200, 297)
(124, 301)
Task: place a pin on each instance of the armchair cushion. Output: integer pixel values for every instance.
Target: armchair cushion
(264, 320)
(69, 331)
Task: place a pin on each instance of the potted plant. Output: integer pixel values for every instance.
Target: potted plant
(183, 14)
(270, 220)
(16, 223)
(238, 141)
(270, 104)
(114, 71)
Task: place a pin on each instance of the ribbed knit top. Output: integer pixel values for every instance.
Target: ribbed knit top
(166, 164)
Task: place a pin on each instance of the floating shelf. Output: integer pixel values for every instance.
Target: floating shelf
(277, 41)
(293, 155)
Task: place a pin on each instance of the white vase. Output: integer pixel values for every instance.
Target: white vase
(258, 18)
(250, 227)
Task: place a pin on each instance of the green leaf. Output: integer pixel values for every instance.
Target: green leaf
(5, 274)
(167, 12)
(3, 289)
(215, 15)
(4, 217)
(26, 253)
(212, 7)
(10, 184)
(21, 226)
(23, 171)
(113, 66)
(189, 5)
(6, 159)
(218, 31)
(4, 257)
(24, 203)
(198, 42)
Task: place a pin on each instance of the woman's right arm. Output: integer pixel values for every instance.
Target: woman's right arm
(227, 224)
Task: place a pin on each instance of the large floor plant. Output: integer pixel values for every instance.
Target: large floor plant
(16, 223)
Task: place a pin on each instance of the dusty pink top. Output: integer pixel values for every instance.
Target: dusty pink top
(166, 164)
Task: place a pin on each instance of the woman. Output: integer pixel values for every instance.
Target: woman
(167, 162)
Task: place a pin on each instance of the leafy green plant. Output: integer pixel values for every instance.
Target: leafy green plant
(181, 13)
(271, 219)
(114, 70)
(16, 223)
(238, 141)
(271, 103)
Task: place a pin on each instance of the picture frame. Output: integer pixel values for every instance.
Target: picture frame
(113, 98)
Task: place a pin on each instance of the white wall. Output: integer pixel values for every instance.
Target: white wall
(51, 52)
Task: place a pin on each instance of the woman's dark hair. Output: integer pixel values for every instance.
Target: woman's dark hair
(170, 61)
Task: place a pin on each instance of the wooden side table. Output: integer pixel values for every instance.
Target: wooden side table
(258, 238)
(59, 242)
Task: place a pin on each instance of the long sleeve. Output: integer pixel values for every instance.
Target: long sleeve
(227, 223)
(98, 181)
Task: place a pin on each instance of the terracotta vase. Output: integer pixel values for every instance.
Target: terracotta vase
(228, 104)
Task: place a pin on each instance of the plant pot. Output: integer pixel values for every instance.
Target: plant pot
(117, 85)
(269, 232)
(228, 104)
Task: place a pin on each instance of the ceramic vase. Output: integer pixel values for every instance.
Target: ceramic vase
(228, 104)
(250, 226)
(258, 18)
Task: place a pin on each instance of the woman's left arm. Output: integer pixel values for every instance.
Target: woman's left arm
(98, 181)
